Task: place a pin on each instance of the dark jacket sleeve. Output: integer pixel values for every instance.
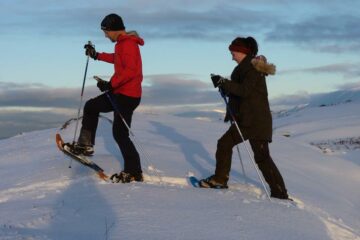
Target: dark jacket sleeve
(244, 88)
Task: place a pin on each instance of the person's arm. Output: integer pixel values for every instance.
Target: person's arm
(106, 57)
(242, 89)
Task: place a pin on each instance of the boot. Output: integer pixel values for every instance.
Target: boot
(212, 182)
(125, 177)
(274, 179)
(79, 149)
(84, 145)
(279, 192)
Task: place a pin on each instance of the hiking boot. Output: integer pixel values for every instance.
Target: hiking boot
(280, 196)
(80, 149)
(212, 182)
(279, 192)
(84, 144)
(125, 177)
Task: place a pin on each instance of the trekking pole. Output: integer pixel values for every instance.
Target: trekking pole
(242, 137)
(237, 146)
(241, 162)
(81, 99)
(82, 94)
(116, 109)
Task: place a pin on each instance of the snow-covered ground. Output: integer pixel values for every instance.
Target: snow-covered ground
(41, 198)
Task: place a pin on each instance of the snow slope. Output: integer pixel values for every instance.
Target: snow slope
(41, 198)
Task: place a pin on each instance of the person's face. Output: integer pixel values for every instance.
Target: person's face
(237, 56)
(111, 35)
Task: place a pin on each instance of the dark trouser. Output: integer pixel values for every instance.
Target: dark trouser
(261, 155)
(126, 105)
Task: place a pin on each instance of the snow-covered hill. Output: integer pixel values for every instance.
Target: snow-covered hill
(290, 103)
(41, 198)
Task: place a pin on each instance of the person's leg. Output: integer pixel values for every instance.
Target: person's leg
(223, 159)
(224, 153)
(92, 109)
(268, 168)
(126, 106)
(86, 139)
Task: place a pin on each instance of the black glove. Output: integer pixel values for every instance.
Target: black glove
(90, 51)
(217, 80)
(104, 85)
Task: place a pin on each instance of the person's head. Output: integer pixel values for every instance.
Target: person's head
(113, 26)
(241, 47)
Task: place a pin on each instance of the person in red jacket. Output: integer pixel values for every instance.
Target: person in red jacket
(125, 89)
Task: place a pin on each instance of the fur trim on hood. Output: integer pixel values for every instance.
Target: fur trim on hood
(260, 64)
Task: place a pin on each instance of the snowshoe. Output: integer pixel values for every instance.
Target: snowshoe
(66, 148)
(211, 182)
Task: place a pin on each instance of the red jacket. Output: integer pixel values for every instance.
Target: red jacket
(127, 62)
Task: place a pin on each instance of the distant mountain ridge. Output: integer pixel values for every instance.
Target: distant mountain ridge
(334, 98)
(285, 105)
(289, 104)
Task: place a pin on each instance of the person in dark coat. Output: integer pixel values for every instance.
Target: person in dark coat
(248, 102)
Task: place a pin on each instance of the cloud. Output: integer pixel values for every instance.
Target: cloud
(214, 23)
(14, 122)
(349, 86)
(211, 20)
(348, 70)
(163, 89)
(25, 107)
(39, 95)
(178, 89)
(319, 25)
(333, 33)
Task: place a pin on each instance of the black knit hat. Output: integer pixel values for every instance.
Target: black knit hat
(112, 22)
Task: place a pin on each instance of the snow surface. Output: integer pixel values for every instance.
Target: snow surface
(41, 198)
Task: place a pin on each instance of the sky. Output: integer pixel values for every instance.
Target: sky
(313, 43)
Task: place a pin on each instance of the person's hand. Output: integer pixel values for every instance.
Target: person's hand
(103, 85)
(217, 80)
(90, 51)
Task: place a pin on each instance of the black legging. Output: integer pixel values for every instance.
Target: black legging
(126, 106)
